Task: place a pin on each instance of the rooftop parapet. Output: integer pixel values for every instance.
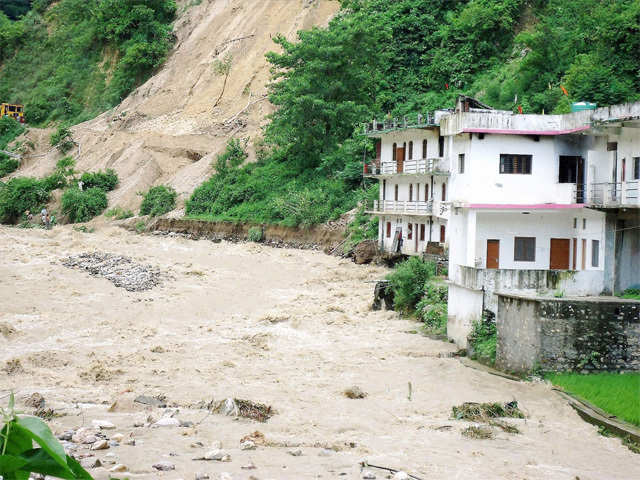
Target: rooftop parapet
(415, 120)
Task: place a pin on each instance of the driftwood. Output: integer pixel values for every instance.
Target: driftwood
(390, 470)
(234, 40)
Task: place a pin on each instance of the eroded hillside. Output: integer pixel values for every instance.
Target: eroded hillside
(168, 131)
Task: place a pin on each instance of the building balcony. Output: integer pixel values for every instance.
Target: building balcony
(410, 208)
(422, 166)
(615, 195)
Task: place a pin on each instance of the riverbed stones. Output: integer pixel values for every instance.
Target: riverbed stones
(247, 445)
(118, 437)
(295, 453)
(90, 463)
(84, 436)
(100, 445)
(103, 425)
(202, 476)
(118, 467)
(401, 476)
(120, 270)
(368, 475)
(164, 466)
(167, 422)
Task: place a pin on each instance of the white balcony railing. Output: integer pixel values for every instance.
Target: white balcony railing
(615, 194)
(417, 166)
(436, 208)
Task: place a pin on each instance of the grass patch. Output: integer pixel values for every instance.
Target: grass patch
(118, 213)
(632, 293)
(481, 433)
(483, 341)
(7, 165)
(615, 393)
(481, 412)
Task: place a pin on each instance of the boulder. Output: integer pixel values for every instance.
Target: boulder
(365, 252)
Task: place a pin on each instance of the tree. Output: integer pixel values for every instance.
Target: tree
(222, 68)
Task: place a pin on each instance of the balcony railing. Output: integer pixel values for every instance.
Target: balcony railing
(429, 166)
(615, 194)
(406, 207)
(410, 121)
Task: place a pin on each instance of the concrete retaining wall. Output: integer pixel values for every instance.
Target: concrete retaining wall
(598, 333)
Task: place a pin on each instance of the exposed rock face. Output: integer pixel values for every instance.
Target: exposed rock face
(365, 252)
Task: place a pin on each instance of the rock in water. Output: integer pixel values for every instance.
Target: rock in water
(365, 252)
(103, 425)
(164, 466)
(100, 445)
(167, 422)
(401, 476)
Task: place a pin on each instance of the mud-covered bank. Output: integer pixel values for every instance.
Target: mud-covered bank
(319, 237)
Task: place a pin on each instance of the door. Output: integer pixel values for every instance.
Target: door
(400, 159)
(584, 254)
(575, 254)
(560, 254)
(442, 233)
(444, 192)
(415, 227)
(493, 254)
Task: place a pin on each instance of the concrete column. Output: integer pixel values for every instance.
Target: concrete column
(609, 253)
(471, 238)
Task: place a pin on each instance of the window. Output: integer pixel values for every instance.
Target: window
(424, 149)
(461, 163)
(422, 230)
(575, 223)
(410, 231)
(444, 192)
(524, 249)
(595, 253)
(584, 223)
(395, 197)
(393, 152)
(411, 192)
(378, 149)
(388, 229)
(426, 192)
(636, 168)
(567, 169)
(443, 233)
(441, 146)
(384, 189)
(410, 150)
(515, 163)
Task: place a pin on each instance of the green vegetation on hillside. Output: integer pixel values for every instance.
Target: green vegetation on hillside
(617, 394)
(158, 201)
(378, 57)
(72, 59)
(15, 8)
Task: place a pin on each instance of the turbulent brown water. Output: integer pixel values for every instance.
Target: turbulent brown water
(288, 328)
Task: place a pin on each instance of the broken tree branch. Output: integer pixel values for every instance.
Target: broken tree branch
(250, 103)
(234, 40)
(391, 470)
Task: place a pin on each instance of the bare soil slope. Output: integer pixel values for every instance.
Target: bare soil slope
(289, 328)
(167, 130)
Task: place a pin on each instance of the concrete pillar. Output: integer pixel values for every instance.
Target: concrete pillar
(609, 253)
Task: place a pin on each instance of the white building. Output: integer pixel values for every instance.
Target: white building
(544, 204)
(413, 202)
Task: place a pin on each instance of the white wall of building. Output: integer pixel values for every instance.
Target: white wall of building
(414, 135)
(464, 306)
(482, 181)
(545, 225)
(415, 244)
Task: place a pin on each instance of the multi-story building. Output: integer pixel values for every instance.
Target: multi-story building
(413, 172)
(540, 204)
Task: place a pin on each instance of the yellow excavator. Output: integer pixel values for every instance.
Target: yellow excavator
(12, 110)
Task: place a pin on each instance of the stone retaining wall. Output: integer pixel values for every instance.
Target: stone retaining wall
(596, 333)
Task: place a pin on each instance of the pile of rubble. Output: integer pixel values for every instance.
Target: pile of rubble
(120, 270)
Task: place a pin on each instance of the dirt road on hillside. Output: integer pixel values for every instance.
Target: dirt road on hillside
(288, 328)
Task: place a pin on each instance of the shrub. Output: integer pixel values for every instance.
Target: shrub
(483, 340)
(432, 308)
(255, 234)
(62, 139)
(83, 205)
(106, 181)
(632, 293)
(54, 181)
(9, 130)
(21, 194)
(118, 213)
(408, 282)
(7, 165)
(158, 201)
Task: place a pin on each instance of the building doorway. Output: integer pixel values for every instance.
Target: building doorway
(571, 170)
(560, 254)
(400, 159)
(493, 254)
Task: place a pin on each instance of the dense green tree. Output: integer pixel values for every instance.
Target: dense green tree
(15, 8)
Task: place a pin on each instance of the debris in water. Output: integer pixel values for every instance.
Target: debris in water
(354, 392)
(13, 367)
(255, 437)
(35, 400)
(482, 433)
(480, 412)
(159, 401)
(245, 408)
(120, 270)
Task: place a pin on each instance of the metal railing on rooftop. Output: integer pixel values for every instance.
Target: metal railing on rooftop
(615, 194)
(415, 120)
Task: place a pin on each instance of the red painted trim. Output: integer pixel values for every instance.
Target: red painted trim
(526, 132)
(535, 206)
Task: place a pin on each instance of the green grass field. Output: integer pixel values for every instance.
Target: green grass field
(617, 394)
